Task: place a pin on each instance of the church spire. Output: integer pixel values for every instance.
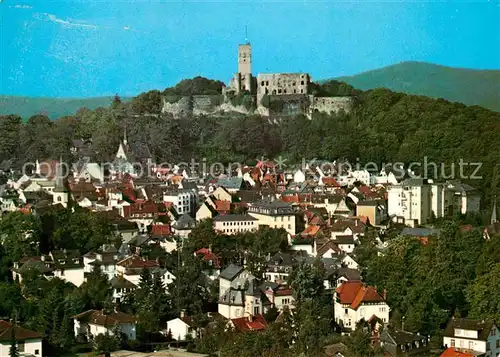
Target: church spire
(60, 185)
(125, 135)
(494, 212)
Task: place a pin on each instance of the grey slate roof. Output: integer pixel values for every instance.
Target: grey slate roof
(121, 283)
(350, 274)
(230, 182)
(231, 272)
(483, 327)
(234, 218)
(184, 222)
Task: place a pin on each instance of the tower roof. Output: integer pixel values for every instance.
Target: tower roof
(61, 184)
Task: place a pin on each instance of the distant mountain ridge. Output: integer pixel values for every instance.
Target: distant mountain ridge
(468, 86)
(52, 107)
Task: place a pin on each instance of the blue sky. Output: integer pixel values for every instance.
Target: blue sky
(98, 47)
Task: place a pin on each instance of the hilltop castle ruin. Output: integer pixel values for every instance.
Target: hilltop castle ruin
(268, 94)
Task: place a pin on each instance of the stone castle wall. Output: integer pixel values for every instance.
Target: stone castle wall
(331, 104)
(282, 84)
(280, 105)
(196, 104)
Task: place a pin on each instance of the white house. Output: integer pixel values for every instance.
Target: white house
(355, 301)
(95, 322)
(234, 223)
(477, 336)
(239, 295)
(349, 262)
(299, 176)
(104, 259)
(28, 342)
(181, 327)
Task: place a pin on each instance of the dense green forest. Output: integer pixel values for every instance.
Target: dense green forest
(385, 127)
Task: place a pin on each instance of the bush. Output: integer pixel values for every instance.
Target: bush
(244, 99)
(147, 103)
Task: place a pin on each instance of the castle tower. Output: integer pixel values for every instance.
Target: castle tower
(245, 59)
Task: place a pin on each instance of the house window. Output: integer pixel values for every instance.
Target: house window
(256, 310)
(452, 343)
(471, 345)
(37, 352)
(20, 346)
(238, 311)
(346, 311)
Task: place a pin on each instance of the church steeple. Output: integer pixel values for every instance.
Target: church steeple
(60, 185)
(494, 212)
(61, 189)
(125, 136)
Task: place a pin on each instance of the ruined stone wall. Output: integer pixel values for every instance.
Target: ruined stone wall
(331, 104)
(288, 104)
(206, 104)
(282, 84)
(194, 105)
(183, 106)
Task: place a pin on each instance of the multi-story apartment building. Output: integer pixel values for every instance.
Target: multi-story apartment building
(274, 214)
(235, 223)
(410, 201)
(184, 201)
(415, 201)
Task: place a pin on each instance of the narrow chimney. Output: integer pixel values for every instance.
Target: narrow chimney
(183, 313)
(385, 294)
(250, 318)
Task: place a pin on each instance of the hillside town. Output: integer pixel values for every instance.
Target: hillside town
(261, 236)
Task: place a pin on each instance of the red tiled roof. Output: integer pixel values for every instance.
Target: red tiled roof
(222, 206)
(311, 230)
(143, 207)
(161, 230)
(137, 262)
(330, 181)
(283, 291)
(98, 317)
(451, 352)
(208, 255)
(20, 333)
(364, 189)
(243, 324)
(354, 293)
